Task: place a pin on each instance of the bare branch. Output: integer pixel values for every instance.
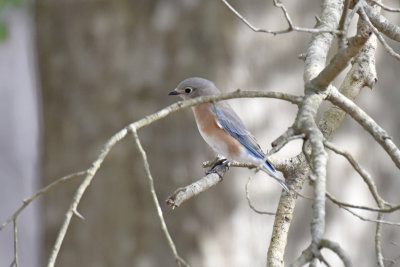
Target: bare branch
(346, 19)
(315, 60)
(317, 50)
(305, 123)
(283, 139)
(164, 227)
(291, 28)
(382, 23)
(379, 134)
(39, 193)
(305, 257)
(388, 49)
(251, 204)
(378, 244)
(344, 23)
(211, 163)
(363, 173)
(341, 203)
(385, 7)
(369, 220)
(284, 213)
(340, 61)
(183, 194)
(15, 261)
(372, 187)
(310, 254)
(338, 250)
(79, 193)
(89, 173)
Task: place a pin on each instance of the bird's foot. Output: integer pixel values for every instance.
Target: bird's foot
(220, 167)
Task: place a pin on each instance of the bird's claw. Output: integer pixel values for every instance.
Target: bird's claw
(219, 167)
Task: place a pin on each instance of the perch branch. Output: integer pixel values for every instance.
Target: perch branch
(183, 194)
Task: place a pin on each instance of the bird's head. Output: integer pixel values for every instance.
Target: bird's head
(194, 87)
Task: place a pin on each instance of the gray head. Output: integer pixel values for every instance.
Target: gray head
(194, 87)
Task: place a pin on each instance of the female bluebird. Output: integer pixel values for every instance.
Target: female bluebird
(222, 128)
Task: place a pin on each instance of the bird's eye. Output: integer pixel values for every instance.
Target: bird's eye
(188, 90)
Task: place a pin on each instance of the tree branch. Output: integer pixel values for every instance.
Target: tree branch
(42, 191)
(383, 6)
(291, 27)
(183, 194)
(337, 249)
(379, 134)
(340, 60)
(89, 173)
(382, 23)
(367, 219)
(79, 193)
(391, 208)
(388, 49)
(15, 261)
(164, 227)
(251, 204)
(361, 171)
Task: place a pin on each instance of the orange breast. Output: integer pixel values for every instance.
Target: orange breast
(206, 121)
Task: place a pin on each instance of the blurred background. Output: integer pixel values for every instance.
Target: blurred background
(74, 72)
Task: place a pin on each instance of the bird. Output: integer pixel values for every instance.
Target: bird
(222, 129)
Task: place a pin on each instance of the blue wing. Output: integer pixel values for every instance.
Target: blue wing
(233, 125)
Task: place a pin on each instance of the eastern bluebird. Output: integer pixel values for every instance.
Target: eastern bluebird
(222, 128)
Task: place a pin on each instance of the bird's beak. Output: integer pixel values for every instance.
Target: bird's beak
(174, 92)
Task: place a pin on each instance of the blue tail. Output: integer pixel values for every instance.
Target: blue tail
(272, 172)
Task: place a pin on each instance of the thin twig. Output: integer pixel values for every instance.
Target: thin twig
(349, 205)
(344, 23)
(286, 14)
(378, 243)
(79, 193)
(251, 204)
(164, 227)
(346, 19)
(369, 220)
(288, 136)
(15, 261)
(385, 7)
(361, 171)
(42, 191)
(372, 187)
